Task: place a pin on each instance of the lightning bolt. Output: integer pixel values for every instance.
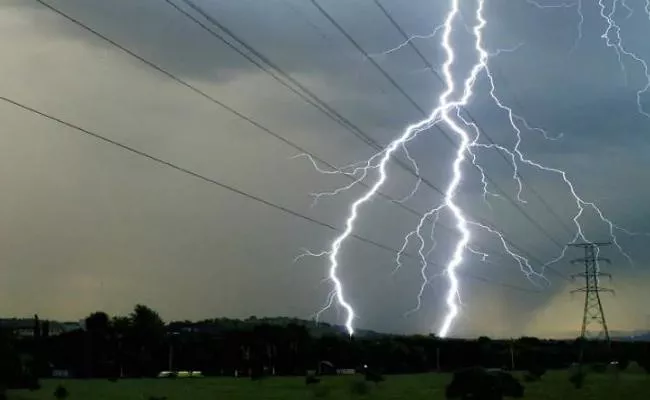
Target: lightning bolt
(581, 17)
(431, 35)
(442, 113)
(379, 162)
(630, 11)
(616, 43)
(308, 253)
(517, 156)
(449, 112)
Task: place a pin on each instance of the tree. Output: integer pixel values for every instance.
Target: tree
(146, 339)
(98, 322)
(10, 364)
(146, 324)
(99, 351)
(486, 352)
(39, 365)
(37, 328)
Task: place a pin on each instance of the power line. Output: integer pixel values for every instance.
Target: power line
(228, 108)
(430, 67)
(212, 99)
(275, 72)
(206, 179)
(421, 110)
(306, 94)
(252, 121)
(435, 73)
(220, 103)
(320, 104)
(216, 101)
(383, 72)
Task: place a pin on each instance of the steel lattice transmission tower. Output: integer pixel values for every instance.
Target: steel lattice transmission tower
(593, 311)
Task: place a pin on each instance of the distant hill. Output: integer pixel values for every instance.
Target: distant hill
(316, 329)
(637, 336)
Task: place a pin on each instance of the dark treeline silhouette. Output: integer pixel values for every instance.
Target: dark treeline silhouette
(142, 345)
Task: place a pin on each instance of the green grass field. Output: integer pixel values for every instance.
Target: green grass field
(555, 385)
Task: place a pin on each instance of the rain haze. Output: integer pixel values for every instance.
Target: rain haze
(86, 225)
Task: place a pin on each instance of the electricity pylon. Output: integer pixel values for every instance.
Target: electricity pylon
(593, 312)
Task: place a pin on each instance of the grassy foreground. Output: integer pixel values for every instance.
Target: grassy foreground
(555, 385)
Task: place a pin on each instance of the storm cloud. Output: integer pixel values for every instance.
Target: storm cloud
(87, 226)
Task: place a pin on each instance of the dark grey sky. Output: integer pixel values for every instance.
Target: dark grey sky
(87, 226)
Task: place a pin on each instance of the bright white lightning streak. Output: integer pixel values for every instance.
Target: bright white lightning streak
(484, 182)
(453, 291)
(416, 168)
(524, 263)
(431, 35)
(439, 113)
(464, 147)
(354, 211)
(630, 11)
(308, 253)
(508, 50)
(328, 303)
(484, 256)
(359, 171)
(581, 204)
(442, 114)
(617, 44)
(407, 238)
(543, 6)
(434, 242)
(611, 24)
(517, 155)
(619, 48)
(581, 17)
(424, 263)
(581, 22)
(350, 170)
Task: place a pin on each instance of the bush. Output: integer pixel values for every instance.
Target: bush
(61, 392)
(359, 388)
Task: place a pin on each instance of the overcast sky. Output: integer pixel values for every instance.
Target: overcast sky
(88, 226)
